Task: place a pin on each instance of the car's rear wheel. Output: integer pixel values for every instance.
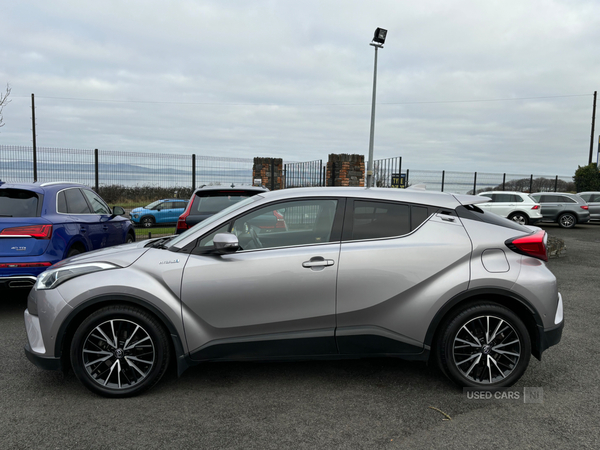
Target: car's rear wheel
(521, 218)
(147, 221)
(73, 251)
(120, 351)
(567, 220)
(484, 345)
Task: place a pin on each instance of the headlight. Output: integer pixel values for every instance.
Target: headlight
(53, 277)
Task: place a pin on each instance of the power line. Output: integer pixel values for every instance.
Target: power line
(308, 104)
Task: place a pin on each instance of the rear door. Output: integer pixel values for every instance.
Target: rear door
(594, 206)
(551, 206)
(398, 263)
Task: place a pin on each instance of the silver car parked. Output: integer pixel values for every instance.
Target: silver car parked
(354, 273)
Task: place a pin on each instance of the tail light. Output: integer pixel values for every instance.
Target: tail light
(34, 231)
(24, 265)
(531, 245)
(536, 207)
(181, 223)
(280, 222)
(586, 207)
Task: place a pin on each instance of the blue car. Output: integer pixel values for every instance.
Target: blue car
(41, 224)
(166, 210)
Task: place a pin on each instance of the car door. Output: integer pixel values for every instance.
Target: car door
(275, 296)
(397, 262)
(113, 228)
(594, 206)
(79, 211)
(551, 206)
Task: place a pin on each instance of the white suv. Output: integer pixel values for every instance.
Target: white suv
(517, 206)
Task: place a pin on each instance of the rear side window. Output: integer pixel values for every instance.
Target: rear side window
(72, 202)
(373, 220)
(474, 213)
(216, 201)
(18, 203)
(565, 199)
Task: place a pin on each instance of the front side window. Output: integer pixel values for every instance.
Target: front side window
(586, 197)
(286, 224)
(98, 205)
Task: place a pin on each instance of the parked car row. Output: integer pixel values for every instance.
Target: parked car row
(527, 209)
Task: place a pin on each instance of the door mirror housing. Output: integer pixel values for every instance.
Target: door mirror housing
(226, 243)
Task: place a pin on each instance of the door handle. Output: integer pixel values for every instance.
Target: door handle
(318, 262)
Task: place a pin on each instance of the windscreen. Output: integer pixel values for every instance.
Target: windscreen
(18, 203)
(216, 201)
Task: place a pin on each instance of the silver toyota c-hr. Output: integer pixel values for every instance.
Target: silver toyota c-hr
(350, 272)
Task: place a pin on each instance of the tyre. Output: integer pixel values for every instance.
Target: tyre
(147, 221)
(130, 238)
(520, 218)
(73, 252)
(567, 220)
(120, 351)
(484, 345)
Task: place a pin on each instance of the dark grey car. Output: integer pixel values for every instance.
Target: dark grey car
(565, 209)
(593, 201)
(354, 273)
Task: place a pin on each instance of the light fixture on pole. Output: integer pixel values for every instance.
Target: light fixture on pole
(377, 42)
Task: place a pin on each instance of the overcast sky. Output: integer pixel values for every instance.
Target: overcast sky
(487, 86)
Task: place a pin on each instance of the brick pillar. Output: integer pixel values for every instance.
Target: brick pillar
(265, 168)
(345, 170)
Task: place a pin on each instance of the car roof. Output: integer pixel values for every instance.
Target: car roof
(231, 188)
(431, 198)
(503, 192)
(41, 188)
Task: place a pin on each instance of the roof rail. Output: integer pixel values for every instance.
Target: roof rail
(51, 183)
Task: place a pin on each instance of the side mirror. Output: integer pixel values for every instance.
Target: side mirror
(226, 243)
(118, 211)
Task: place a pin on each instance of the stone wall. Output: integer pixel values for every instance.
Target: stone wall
(269, 171)
(345, 170)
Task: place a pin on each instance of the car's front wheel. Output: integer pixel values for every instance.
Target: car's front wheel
(567, 220)
(147, 221)
(484, 345)
(120, 351)
(520, 218)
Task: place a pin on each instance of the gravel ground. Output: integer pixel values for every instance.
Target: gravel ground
(306, 405)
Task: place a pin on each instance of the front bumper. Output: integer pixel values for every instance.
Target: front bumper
(42, 362)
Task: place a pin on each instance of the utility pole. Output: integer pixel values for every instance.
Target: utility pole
(34, 146)
(593, 123)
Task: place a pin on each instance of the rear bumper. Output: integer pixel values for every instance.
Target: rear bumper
(549, 337)
(17, 282)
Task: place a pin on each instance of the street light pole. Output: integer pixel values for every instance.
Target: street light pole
(377, 43)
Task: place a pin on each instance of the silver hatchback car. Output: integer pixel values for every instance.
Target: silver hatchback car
(353, 273)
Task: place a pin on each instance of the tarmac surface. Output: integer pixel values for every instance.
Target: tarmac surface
(355, 404)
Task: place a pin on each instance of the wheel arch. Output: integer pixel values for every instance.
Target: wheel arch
(79, 314)
(78, 244)
(520, 306)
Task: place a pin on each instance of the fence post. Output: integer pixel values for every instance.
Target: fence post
(193, 172)
(475, 184)
(96, 177)
(503, 182)
(35, 178)
(443, 178)
(272, 175)
(530, 183)
(406, 181)
(556, 183)
(399, 170)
